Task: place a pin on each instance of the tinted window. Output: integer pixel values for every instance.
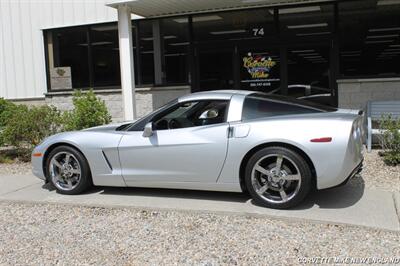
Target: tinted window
(257, 107)
(369, 38)
(146, 51)
(68, 53)
(105, 53)
(175, 33)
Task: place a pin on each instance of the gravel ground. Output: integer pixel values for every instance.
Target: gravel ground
(16, 168)
(65, 235)
(377, 175)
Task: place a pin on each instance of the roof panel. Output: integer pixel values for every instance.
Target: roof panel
(163, 8)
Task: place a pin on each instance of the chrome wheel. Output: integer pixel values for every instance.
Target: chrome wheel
(276, 178)
(65, 171)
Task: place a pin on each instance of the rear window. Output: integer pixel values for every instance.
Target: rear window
(259, 105)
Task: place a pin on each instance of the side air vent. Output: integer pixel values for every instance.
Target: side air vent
(108, 162)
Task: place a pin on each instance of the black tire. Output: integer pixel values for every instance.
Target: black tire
(85, 180)
(291, 156)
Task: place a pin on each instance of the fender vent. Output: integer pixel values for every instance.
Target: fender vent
(108, 162)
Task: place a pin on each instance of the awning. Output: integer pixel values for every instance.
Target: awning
(164, 8)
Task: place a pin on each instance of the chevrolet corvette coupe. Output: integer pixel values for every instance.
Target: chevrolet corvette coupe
(278, 149)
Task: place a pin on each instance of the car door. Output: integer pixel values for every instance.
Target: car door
(188, 144)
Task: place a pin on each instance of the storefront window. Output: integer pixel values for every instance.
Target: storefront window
(215, 69)
(175, 34)
(104, 43)
(84, 57)
(146, 51)
(68, 58)
(223, 40)
(307, 33)
(306, 23)
(369, 38)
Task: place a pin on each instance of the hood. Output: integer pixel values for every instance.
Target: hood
(109, 127)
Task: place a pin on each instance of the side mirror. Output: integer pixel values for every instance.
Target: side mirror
(148, 130)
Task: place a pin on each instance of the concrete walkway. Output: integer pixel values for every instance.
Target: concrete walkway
(345, 205)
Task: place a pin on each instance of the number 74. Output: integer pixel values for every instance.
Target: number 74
(258, 31)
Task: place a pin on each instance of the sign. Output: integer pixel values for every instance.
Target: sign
(60, 78)
(258, 66)
(259, 70)
(258, 32)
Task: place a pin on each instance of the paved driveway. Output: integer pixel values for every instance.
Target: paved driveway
(345, 205)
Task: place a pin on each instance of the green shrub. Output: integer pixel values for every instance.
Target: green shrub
(26, 127)
(6, 109)
(89, 111)
(390, 140)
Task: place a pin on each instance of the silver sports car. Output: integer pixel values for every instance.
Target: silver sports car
(277, 149)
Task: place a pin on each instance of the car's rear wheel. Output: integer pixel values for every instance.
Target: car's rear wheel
(277, 177)
(68, 170)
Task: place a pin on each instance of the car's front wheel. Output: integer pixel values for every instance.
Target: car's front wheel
(277, 177)
(68, 170)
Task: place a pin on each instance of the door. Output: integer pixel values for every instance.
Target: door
(189, 144)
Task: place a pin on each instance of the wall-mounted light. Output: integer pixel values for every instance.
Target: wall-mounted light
(384, 29)
(304, 26)
(198, 19)
(227, 32)
(295, 10)
(388, 2)
(382, 36)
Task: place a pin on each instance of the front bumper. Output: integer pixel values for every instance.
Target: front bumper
(37, 163)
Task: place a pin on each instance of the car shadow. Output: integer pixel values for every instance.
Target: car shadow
(176, 193)
(334, 198)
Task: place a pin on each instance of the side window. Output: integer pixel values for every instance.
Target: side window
(257, 107)
(193, 114)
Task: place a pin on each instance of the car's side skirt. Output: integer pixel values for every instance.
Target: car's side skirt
(226, 187)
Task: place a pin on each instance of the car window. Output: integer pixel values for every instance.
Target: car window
(257, 107)
(139, 125)
(192, 114)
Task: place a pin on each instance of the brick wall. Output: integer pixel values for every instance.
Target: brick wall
(356, 93)
(147, 100)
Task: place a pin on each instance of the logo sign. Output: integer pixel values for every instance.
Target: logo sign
(60, 78)
(60, 72)
(258, 66)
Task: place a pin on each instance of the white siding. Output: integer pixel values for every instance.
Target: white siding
(22, 63)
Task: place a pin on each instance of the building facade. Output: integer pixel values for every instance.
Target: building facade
(342, 53)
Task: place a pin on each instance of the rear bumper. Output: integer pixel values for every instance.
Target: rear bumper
(353, 173)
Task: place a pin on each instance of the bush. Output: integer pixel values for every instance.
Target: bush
(27, 127)
(89, 111)
(390, 140)
(6, 109)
